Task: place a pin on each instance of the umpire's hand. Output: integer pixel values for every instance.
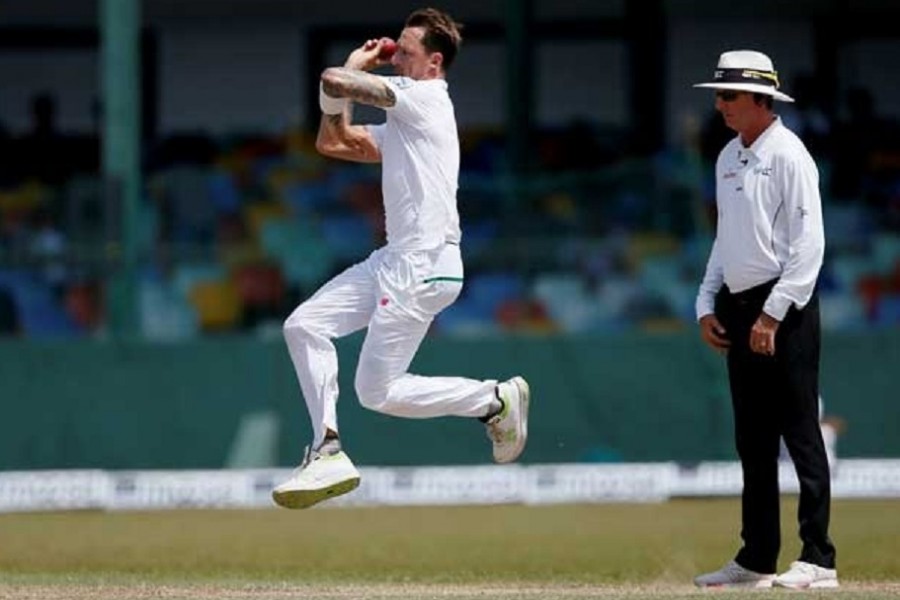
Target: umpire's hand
(713, 333)
(762, 335)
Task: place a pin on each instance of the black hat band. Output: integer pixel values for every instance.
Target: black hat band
(769, 78)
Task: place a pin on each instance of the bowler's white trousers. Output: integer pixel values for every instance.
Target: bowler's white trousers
(396, 294)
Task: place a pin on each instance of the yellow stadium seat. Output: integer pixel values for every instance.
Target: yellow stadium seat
(217, 303)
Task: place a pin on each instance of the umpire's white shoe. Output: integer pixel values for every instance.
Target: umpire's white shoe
(508, 429)
(803, 575)
(734, 575)
(318, 478)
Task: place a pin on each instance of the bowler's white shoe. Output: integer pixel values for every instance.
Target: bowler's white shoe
(803, 575)
(736, 576)
(318, 478)
(508, 429)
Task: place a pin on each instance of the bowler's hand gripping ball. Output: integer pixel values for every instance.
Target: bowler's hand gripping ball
(388, 48)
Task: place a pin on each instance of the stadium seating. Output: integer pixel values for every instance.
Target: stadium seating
(248, 226)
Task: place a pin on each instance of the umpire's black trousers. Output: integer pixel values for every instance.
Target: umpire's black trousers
(777, 396)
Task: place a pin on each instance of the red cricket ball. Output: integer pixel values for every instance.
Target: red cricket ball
(388, 47)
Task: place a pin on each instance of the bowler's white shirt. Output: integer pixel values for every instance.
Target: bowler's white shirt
(769, 222)
(419, 148)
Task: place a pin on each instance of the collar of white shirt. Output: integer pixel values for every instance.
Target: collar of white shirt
(759, 148)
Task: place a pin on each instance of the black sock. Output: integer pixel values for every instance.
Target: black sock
(493, 414)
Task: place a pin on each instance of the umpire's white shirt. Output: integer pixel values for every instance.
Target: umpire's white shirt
(419, 148)
(769, 222)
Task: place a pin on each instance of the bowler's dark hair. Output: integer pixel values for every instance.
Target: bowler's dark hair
(441, 32)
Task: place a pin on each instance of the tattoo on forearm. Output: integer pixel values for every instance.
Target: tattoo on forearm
(359, 86)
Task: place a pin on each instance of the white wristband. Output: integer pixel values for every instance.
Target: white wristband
(329, 105)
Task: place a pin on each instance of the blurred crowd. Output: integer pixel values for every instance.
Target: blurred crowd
(235, 231)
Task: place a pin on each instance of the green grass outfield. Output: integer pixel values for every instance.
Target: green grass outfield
(562, 551)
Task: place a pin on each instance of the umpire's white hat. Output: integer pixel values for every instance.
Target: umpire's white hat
(746, 71)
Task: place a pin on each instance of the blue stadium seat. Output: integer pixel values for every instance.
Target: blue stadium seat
(885, 251)
(186, 192)
(478, 236)
(350, 237)
(487, 291)
(164, 314)
(566, 299)
(888, 311)
(308, 197)
(842, 310)
(305, 257)
(41, 314)
(224, 194)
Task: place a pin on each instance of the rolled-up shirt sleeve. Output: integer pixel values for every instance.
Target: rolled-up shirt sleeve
(806, 239)
(411, 104)
(712, 282)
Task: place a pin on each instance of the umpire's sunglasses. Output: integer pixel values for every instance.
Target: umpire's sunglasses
(727, 95)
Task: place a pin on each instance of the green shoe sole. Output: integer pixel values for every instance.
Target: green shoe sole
(307, 498)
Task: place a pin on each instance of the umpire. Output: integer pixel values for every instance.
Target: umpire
(758, 304)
